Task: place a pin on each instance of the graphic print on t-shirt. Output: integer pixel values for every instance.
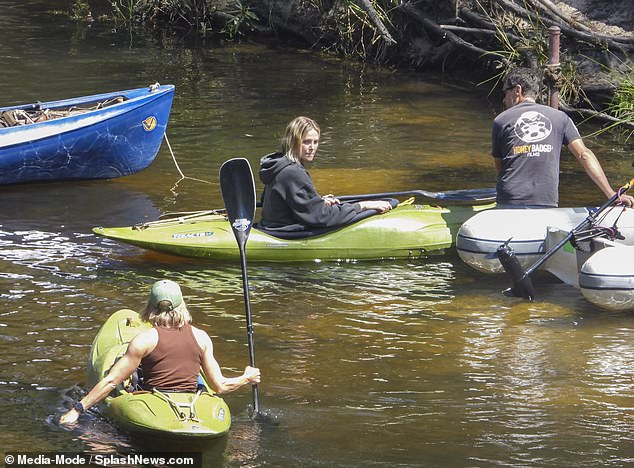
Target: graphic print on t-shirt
(532, 127)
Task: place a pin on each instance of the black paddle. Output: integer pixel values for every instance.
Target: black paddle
(522, 284)
(238, 192)
(475, 196)
(478, 195)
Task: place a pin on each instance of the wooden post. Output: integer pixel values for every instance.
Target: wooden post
(554, 33)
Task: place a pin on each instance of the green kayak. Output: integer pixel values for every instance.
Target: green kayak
(408, 231)
(155, 413)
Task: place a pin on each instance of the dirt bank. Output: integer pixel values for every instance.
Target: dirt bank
(608, 17)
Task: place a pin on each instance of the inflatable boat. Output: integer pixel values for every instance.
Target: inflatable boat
(598, 260)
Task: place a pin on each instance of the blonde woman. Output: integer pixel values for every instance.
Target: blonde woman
(171, 354)
(290, 201)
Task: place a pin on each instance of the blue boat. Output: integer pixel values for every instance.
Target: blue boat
(92, 137)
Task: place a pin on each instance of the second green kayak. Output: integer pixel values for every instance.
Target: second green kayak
(164, 414)
(408, 231)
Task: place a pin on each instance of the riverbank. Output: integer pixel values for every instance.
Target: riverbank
(394, 363)
(474, 41)
(607, 17)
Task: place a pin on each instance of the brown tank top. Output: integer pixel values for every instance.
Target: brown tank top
(175, 362)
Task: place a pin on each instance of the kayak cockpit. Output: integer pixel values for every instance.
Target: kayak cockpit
(314, 232)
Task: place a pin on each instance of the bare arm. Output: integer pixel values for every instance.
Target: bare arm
(591, 165)
(212, 371)
(379, 205)
(123, 369)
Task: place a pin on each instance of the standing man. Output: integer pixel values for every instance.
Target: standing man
(526, 147)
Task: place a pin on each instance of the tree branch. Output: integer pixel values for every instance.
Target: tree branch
(430, 25)
(369, 9)
(596, 115)
(593, 38)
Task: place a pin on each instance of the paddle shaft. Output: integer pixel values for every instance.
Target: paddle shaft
(247, 308)
(466, 195)
(478, 195)
(238, 191)
(586, 222)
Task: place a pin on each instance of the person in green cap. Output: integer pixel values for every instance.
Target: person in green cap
(171, 354)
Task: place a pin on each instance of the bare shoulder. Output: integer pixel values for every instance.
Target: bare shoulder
(145, 341)
(201, 337)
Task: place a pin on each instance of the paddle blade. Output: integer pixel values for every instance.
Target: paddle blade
(473, 196)
(478, 195)
(238, 192)
(522, 285)
(267, 417)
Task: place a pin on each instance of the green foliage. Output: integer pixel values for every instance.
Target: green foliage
(240, 16)
(80, 9)
(123, 11)
(622, 104)
(199, 16)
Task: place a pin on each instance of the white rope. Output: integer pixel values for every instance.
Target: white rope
(183, 176)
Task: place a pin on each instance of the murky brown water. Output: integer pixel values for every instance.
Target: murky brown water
(389, 363)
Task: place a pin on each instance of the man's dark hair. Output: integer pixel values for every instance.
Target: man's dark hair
(526, 78)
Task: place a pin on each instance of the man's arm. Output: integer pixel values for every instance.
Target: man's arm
(212, 371)
(593, 168)
(122, 369)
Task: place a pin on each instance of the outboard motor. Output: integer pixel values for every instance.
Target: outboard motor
(522, 285)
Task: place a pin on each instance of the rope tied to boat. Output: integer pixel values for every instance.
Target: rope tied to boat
(176, 406)
(183, 176)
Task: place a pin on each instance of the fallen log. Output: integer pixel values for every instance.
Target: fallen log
(602, 116)
(431, 26)
(550, 9)
(369, 9)
(592, 38)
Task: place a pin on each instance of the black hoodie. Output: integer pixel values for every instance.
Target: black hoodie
(290, 201)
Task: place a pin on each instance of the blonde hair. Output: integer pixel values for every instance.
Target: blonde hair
(163, 315)
(296, 131)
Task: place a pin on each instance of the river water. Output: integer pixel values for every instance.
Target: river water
(378, 363)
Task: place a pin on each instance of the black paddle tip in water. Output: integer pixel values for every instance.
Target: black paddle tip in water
(267, 416)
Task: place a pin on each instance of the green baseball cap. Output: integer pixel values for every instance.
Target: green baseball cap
(166, 290)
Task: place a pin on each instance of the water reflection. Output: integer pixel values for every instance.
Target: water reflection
(391, 363)
(388, 347)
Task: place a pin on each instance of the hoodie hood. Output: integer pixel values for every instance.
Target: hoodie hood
(271, 165)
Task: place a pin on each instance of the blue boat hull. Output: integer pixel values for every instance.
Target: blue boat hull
(116, 140)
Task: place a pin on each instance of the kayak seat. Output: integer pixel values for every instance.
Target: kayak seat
(289, 235)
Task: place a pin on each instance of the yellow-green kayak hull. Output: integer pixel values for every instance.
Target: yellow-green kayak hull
(181, 415)
(408, 231)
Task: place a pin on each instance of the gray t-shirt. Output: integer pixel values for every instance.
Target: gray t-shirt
(528, 139)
